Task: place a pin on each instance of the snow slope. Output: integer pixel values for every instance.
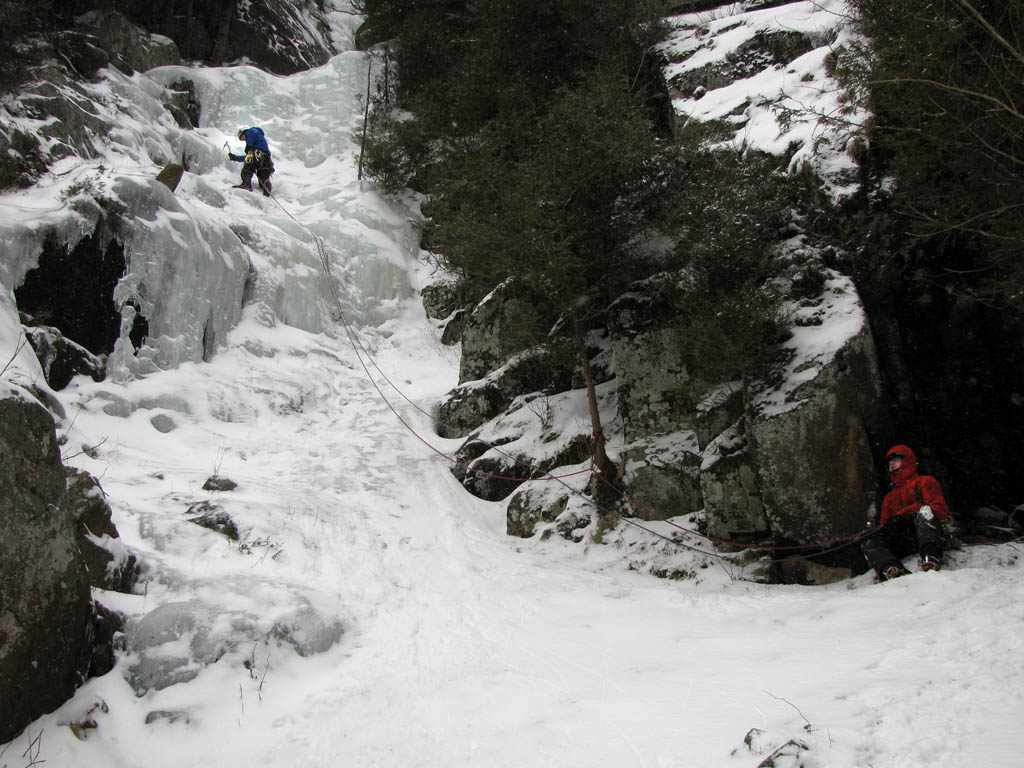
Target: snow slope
(372, 613)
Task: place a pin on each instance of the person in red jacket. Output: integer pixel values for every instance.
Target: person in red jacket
(912, 515)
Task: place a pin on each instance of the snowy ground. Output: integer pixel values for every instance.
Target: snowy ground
(374, 614)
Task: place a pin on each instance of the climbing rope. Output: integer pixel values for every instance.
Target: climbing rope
(363, 355)
(840, 540)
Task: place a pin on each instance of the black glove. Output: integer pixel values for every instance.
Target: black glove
(235, 158)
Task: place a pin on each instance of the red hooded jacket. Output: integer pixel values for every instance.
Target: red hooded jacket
(911, 490)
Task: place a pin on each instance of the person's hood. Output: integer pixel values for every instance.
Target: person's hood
(909, 469)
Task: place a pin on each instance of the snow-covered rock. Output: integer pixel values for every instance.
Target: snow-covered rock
(109, 563)
(813, 436)
(756, 70)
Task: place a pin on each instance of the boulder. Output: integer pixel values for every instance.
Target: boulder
(471, 404)
(790, 463)
(174, 642)
(108, 562)
(211, 516)
(490, 471)
(170, 176)
(661, 475)
(46, 609)
(62, 359)
(446, 302)
(814, 458)
(495, 329)
(440, 300)
(219, 483)
(532, 505)
(729, 485)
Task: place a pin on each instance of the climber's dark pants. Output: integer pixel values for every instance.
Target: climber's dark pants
(263, 172)
(902, 536)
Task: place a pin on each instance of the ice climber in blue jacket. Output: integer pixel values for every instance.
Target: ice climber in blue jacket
(255, 160)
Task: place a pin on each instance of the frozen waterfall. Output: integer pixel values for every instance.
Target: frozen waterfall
(201, 256)
(368, 611)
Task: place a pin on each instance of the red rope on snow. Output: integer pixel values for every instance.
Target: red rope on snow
(355, 348)
(727, 542)
(592, 469)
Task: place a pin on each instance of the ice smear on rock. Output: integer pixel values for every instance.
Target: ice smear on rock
(174, 642)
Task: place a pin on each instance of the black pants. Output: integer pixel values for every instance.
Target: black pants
(263, 170)
(900, 537)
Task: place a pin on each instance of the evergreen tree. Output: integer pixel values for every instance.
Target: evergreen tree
(537, 134)
(947, 88)
(535, 144)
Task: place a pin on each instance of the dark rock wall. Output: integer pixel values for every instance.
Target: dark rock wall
(953, 374)
(269, 33)
(45, 602)
(815, 462)
(73, 290)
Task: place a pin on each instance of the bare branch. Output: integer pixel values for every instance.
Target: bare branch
(794, 706)
(88, 450)
(21, 346)
(35, 746)
(952, 89)
(966, 224)
(1016, 52)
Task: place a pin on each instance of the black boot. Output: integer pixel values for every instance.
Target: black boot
(929, 533)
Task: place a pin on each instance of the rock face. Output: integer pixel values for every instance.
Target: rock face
(793, 466)
(279, 35)
(730, 489)
(658, 387)
(85, 36)
(814, 461)
(495, 330)
(765, 49)
(125, 45)
(662, 474)
(70, 294)
(62, 359)
(108, 563)
(791, 463)
(53, 68)
(500, 359)
(45, 613)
